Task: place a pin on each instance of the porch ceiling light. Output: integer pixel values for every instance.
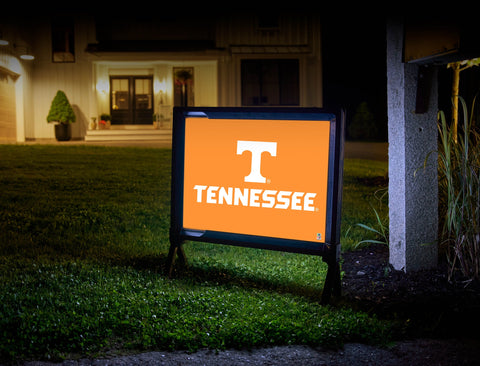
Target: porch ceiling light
(24, 53)
(27, 56)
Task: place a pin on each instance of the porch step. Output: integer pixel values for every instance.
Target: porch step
(129, 135)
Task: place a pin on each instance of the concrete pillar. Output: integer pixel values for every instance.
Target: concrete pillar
(413, 191)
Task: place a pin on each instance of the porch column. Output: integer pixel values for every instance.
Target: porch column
(413, 191)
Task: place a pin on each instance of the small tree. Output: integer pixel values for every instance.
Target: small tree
(457, 67)
(363, 124)
(60, 110)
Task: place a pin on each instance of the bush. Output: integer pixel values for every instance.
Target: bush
(60, 110)
(363, 124)
(105, 117)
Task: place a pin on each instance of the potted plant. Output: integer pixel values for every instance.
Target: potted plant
(61, 112)
(104, 121)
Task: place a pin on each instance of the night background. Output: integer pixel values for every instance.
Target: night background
(84, 237)
(354, 66)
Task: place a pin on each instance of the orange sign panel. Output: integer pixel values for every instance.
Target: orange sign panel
(263, 178)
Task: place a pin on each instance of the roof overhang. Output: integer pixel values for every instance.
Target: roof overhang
(440, 42)
(151, 46)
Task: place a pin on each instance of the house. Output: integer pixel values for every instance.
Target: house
(137, 67)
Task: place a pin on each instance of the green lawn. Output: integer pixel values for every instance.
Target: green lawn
(83, 244)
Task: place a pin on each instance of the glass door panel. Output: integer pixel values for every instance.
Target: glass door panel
(120, 92)
(143, 93)
(131, 99)
(120, 100)
(143, 101)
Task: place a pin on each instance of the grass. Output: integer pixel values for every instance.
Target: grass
(83, 244)
(364, 201)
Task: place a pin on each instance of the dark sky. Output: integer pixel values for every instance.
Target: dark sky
(354, 56)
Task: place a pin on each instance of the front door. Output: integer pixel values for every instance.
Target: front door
(131, 100)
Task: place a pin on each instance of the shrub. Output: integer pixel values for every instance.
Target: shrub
(363, 124)
(105, 117)
(60, 110)
(459, 194)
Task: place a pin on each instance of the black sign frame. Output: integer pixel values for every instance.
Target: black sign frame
(329, 249)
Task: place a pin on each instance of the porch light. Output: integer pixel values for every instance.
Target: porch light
(160, 86)
(23, 52)
(26, 55)
(103, 86)
(3, 41)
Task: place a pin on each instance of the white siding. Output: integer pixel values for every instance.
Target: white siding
(243, 30)
(75, 79)
(21, 83)
(8, 122)
(217, 74)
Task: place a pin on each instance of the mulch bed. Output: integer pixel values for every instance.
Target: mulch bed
(424, 303)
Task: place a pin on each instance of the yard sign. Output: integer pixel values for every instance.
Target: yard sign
(264, 178)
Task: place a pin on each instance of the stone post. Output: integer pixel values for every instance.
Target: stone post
(413, 191)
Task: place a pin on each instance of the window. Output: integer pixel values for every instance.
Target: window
(270, 82)
(63, 44)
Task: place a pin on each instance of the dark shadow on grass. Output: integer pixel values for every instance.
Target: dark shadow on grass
(419, 311)
(155, 263)
(223, 276)
(201, 274)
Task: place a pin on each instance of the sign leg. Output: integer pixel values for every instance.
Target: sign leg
(332, 281)
(174, 251)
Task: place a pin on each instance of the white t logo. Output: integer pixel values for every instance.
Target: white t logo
(256, 148)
